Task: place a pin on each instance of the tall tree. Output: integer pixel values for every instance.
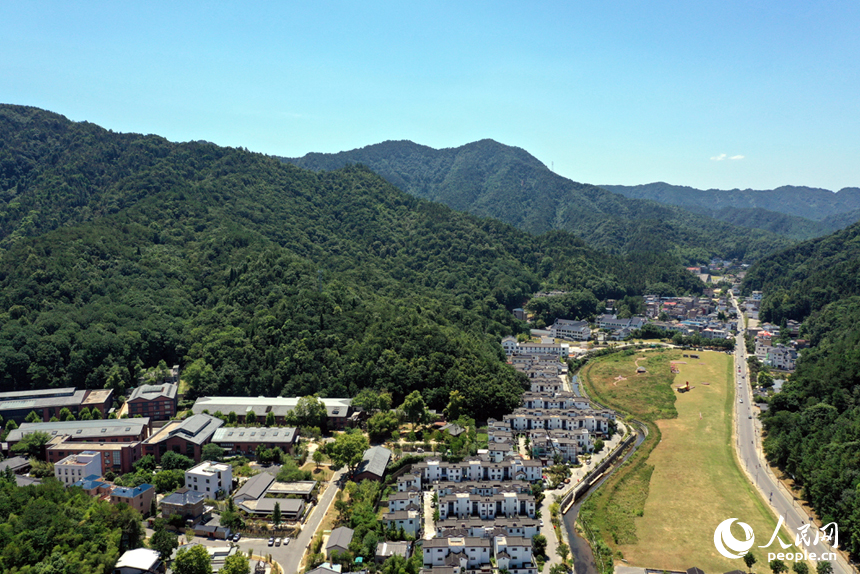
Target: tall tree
(276, 515)
(347, 449)
(193, 560)
(415, 408)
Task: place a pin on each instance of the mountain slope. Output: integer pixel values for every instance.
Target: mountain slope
(493, 180)
(805, 278)
(806, 202)
(120, 250)
(790, 226)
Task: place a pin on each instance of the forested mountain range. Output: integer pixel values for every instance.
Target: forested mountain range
(119, 250)
(489, 179)
(813, 424)
(803, 279)
(792, 211)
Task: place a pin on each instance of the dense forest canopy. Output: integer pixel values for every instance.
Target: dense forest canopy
(806, 203)
(120, 250)
(805, 278)
(489, 179)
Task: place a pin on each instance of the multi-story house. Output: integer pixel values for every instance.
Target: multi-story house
(210, 478)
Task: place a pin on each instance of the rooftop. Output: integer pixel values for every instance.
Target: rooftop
(139, 558)
(196, 429)
(255, 434)
(81, 430)
(375, 461)
(127, 492)
(184, 497)
(152, 392)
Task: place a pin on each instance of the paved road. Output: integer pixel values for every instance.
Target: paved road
(748, 444)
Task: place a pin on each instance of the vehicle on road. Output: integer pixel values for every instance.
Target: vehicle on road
(277, 541)
(742, 400)
(750, 416)
(541, 522)
(236, 537)
(272, 541)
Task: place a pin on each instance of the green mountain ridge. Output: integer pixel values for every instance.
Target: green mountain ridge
(490, 179)
(806, 202)
(120, 250)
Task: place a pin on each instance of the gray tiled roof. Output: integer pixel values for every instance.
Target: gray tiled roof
(184, 496)
(278, 435)
(375, 460)
(83, 429)
(254, 487)
(152, 392)
(340, 537)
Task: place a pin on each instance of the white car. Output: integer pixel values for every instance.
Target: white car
(742, 400)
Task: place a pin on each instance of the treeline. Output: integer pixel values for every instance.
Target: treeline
(269, 279)
(490, 179)
(651, 331)
(801, 280)
(813, 424)
(50, 528)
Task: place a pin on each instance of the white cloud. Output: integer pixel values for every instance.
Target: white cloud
(720, 157)
(737, 157)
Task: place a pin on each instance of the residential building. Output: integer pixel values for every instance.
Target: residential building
(94, 486)
(254, 488)
(245, 440)
(339, 540)
(373, 464)
(478, 469)
(408, 500)
(75, 467)
(157, 402)
(139, 561)
(212, 479)
(291, 508)
(184, 502)
(408, 520)
(571, 330)
(465, 553)
(140, 497)
(477, 527)
(385, 550)
(186, 437)
(462, 504)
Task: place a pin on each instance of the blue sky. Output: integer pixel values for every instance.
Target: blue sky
(722, 94)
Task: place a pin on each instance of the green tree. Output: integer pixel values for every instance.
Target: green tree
(347, 449)
(371, 400)
(563, 550)
(800, 567)
(276, 515)
(175, 461)
(200, 377)
(250, 418)
(456, 405)
(824, 567)
(319, 457)
(33, 417)
(31, 444)
(777, 566)
(232, 418)
(168, 480)
(66, 414)
(415, 408)
(382, 424)
(270, 419)
(310, 412)
(11, 425)
(163, 541)
(95, 414)
(146, 463)
(193, 560)
(85, 415)
(212, 452)
(236, 564)
(539, 543)
(598, 445)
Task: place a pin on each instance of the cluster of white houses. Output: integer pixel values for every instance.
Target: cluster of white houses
(487, 513)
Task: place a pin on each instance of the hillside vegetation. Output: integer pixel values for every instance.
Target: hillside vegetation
(489, 179)
(805, 278)
(120, 250)
(805, 202)
(813, 424)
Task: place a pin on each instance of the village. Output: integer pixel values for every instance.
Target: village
(230, 473)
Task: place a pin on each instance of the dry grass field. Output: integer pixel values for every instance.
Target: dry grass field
(662, 513)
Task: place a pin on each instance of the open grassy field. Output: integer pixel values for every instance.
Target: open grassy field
(661, 509)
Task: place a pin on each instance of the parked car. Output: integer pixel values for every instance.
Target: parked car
(236, 537)
(277, 541)
(272, 541)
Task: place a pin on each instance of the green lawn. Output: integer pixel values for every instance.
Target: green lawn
(661, 509)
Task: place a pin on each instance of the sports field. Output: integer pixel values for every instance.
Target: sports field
(661, 512)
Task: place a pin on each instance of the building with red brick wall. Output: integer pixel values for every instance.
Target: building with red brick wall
(157, 402)
(117, 457)
(186, 437)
